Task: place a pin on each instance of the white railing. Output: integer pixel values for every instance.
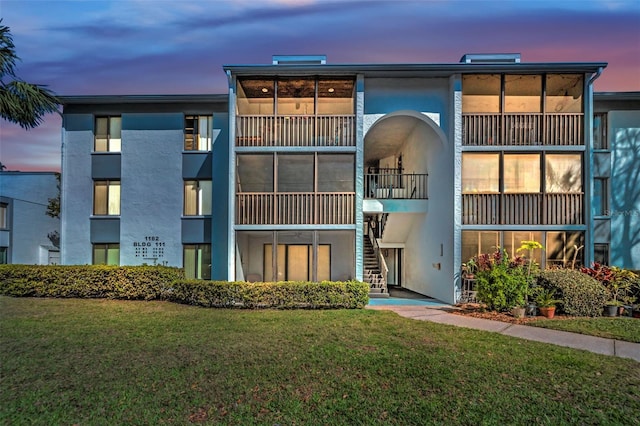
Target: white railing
(295, 130)
(295, 208)
(523, 209)
(523, 129)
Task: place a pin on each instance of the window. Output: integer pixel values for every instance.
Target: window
(512, 240)
(295, 173)
(3, 216)
(521, 173)
(197, 261)
(108, 134)
(600, 201)
(481, 93)
(106, 197)
(480, 173)
(255, 173)
(255, 97)
(478, 242)
(563, 173)
(197, 197)
(106, 254)
(3, 256)
(600, 138)
(601, 253)
(335, 97)
(335, 173)
(198, 131)
(564, 248)
(564, 93)
(522, 93)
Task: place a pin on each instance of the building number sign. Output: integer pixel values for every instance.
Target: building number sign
(151, 247)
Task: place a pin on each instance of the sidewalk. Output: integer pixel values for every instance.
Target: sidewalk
(432, 311)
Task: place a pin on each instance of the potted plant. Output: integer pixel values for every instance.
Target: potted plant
(518, 311)
(618, 287)
(469, 269)
(546, 301)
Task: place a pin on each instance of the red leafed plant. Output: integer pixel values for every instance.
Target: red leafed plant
(602, 273)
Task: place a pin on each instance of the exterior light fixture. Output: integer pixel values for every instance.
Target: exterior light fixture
(265, 90)
(331, 90)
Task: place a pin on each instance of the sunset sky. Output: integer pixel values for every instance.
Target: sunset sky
(95, 47)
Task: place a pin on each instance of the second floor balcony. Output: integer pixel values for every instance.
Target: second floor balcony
(295, 130)
(523, 129)
(390, 184)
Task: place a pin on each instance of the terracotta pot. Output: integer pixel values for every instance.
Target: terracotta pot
(636, 313)
(548, 312)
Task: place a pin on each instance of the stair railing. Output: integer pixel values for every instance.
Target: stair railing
(382, 264)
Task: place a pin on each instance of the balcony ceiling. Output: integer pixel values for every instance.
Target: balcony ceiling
(387, 137)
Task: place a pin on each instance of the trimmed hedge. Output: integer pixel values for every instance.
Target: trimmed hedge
(283, 295)
(581, 295)
(88, 281)
(166, 283)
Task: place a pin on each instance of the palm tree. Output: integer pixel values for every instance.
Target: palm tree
(20, 102)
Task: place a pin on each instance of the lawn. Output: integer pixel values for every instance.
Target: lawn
(111, 362)
(621, 328)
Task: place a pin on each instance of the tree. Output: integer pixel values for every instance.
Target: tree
(20, 102)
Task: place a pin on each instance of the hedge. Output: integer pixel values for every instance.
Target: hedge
(88, 281)
(581, 295)
(166, 283)
(283, 295)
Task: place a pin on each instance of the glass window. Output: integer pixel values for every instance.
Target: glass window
(600, 139)
(512, 240)
(255, 97)
(106, 254)
(522, 93)
(601, 253)
(295, 173)
(600, 201)
(564, 93)
(197, 261)
(521, 173)
(197, 197)
(106, 197)
(336, 173)
(3, 216)
(296, 96)
(480, 173)
(563, 173)
(107, 134)
(335, 96)
(564, 248)
(3, 256)
(198, 131)
(481, 93)
(255, 173)
(478, 242)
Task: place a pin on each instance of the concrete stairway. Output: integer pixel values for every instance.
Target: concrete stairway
(372, 274)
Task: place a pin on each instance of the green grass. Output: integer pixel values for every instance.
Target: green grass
(108, 362)
(620, 328)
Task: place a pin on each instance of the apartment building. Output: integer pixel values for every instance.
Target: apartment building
(27, 234)
(391, 173)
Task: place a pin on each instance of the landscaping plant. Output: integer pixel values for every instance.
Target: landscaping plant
(580, 294)
(502, 283)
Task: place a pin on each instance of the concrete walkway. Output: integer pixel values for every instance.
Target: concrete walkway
(430, 310)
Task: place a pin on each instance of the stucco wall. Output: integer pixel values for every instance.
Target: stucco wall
(27, 195)
(624, 139)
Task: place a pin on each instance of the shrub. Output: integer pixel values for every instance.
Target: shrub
(289, 294)
(501, 283)
(580, 294)
(620, 283)
(87, 281)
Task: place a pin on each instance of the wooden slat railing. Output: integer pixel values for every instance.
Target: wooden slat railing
(295, 208)
(523, 129)
(523, 209)
(296, 130)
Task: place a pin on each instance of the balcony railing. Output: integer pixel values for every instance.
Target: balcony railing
(400, 186)
(523, 129)
(523, 209)
(296, 130)
(295, 208)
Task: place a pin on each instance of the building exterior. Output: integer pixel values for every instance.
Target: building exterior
(395, 173)
(27, 234)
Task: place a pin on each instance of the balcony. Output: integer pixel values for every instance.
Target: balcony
(523, 209)
(297, 208)
(397, 186)
(298, 130)
(566, 129)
